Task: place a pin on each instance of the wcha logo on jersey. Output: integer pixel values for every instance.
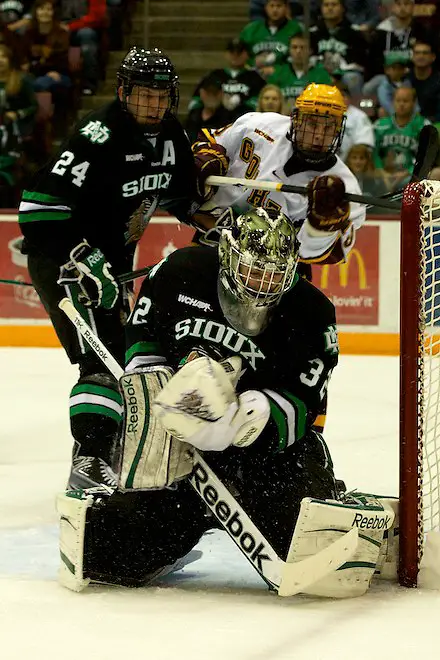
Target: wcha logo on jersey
(130, 158)
(200, 304)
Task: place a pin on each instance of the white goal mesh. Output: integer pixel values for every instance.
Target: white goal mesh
(420, 373)
(430, 265)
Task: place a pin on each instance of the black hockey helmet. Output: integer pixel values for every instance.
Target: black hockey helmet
(149, 68)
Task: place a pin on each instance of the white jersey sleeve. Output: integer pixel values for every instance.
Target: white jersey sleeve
(258, 147)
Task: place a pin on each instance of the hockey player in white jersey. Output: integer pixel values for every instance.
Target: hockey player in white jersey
(298, 150)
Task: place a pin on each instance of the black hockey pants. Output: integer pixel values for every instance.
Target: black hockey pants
(133, 535)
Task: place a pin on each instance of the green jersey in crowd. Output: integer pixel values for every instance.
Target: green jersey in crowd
(396, 146)
(274, 41)
(292, 82)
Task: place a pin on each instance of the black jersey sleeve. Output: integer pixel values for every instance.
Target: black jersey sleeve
(295, 381)
(141, 333)
(46, 212)
(296, 402)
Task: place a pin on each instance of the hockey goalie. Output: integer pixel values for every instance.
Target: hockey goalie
(229, 355)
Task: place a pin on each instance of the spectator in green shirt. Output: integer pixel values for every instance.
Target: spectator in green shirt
(294, 76)
(397, 137)
(268, 40)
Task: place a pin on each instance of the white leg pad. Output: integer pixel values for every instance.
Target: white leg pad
(72, 508)
(151, 458)
(321, 523)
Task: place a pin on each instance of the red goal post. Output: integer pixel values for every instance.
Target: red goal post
(419, 377)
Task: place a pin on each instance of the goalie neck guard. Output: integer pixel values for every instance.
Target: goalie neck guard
(258, 259)
(318, 122)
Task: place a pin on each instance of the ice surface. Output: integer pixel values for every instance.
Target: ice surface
(216, 608)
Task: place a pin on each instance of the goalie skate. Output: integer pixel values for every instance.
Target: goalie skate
(90, 472)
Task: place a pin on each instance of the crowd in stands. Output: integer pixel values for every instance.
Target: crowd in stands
(52, 52)
(383, 56)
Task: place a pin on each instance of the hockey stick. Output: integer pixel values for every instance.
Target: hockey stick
(257, 184)
(286, 577)
(122, 279)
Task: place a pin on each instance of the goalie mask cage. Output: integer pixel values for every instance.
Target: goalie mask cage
(419, 375)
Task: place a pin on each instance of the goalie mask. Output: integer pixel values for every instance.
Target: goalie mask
(148, 87)
(318, 122)
(258, 258)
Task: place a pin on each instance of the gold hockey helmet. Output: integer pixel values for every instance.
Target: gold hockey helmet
(321, 100)
(318, 122)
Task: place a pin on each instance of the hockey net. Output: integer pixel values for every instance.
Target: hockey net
(419, 561)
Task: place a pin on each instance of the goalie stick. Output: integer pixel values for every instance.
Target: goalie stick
(287, 578)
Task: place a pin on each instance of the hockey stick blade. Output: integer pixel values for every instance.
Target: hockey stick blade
(288, 578)
(427, 153)
(297, 577)
(256, 184)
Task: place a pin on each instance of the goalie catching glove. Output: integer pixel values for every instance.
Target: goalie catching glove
(91, 270)
(328, 210)
(199, 406)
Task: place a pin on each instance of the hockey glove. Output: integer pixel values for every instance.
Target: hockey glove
(99, 287)
(328, 210)
(211, 160)
(199, 405)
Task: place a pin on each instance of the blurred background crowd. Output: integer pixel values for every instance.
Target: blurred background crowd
(55, 54)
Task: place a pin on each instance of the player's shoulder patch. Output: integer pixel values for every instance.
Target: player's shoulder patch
(95, 131)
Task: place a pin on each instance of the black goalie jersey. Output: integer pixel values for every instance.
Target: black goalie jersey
(290, 361)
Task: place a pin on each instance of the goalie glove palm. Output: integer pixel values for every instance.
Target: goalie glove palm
(99, 287)
(199, 405)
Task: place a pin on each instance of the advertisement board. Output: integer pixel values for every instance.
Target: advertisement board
(353, 286)
(364, 290)
(162, 236)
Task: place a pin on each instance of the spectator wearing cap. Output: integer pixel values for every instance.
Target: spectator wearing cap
(240, 84)
(396, 75)
(211, 113)
(15, 14)
(337, 46)
(426, 80)
(268, 40)
(297, 73)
